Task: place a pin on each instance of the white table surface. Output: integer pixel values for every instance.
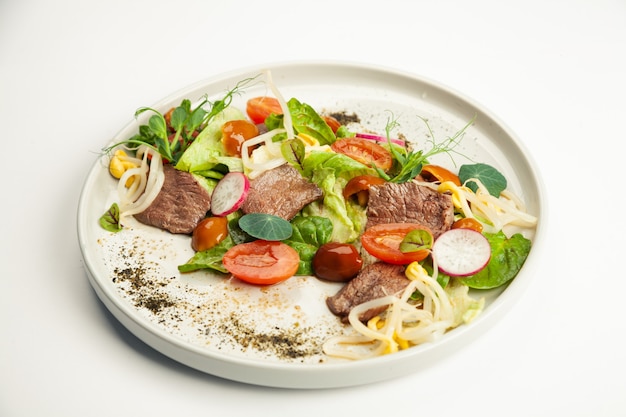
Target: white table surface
(72, 74)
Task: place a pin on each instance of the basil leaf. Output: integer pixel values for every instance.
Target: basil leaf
(265, 226)
(491, 178)
(507, 257)
(306, 120)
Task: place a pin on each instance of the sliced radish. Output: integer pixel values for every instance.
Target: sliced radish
(378, 138)
(230, 193)
(461, 252)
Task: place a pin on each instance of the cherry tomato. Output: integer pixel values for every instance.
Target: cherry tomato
(332, 123)
(468, 223)
(383, 242)
(338, 262)
(434, 173)
(235, 133)
(258, 108)
(359, 187)
(208, 233)
(262, 262)
(364, 151)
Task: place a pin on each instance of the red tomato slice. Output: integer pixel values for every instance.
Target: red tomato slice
(383, 242)
(262, 262)
(365, 152)
(258, 108)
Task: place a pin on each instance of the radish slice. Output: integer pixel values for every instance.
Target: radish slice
(378, 138)
(230, 193)
(461, 252)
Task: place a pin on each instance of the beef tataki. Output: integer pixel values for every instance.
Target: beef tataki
(374, 281)
(180, 205)
(410, 203)
(281, 191)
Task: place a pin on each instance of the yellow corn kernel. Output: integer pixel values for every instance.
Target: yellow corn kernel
(119, 164)
(308, 139)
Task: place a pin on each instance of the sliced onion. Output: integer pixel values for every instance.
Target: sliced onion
(379, 138)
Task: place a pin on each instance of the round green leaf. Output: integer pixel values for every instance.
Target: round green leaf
(265, 226)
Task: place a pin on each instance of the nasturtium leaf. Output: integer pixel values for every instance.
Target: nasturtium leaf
(491, 178)
(416, 240)
(265, 226)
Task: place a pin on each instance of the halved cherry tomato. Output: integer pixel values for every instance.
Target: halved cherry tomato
(332, 123)
(383, 242)
(235, 133)
(209, 232)
(262, 262)
(258, 108)
(468, 223)
(364, 151)
(433, 173)
(359, 187)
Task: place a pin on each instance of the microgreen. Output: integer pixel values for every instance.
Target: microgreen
(110, 220)
(171, 134)
(410, 162)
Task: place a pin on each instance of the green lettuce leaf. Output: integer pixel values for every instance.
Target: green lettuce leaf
(205, 155)
(331, 172)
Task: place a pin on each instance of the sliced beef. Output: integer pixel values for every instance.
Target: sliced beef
(374, 281)
(281, 191)
(410, 203)
(180, 205)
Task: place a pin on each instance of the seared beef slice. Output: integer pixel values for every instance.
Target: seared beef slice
(180, 205)
(281, 191)
(410, 203)
(374, 281)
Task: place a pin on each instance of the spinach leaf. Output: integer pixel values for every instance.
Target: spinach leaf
(208, 259)
(507, 257)
(491, 178)
(309, 233)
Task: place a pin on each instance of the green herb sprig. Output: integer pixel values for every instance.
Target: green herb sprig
(410, 162)
(171, 134)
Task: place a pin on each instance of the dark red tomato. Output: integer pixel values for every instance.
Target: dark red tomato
(338, 262)
(365, 152)
(258, 108)
(383, 242)
(235, 133)
(208, 233)
(359, 187)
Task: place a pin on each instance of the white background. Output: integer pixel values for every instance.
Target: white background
(72, 74)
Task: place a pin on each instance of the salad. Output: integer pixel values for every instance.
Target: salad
(230, 152)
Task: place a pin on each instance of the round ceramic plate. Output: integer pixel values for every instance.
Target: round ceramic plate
(272, 336)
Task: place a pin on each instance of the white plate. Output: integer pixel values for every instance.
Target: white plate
(272, 336)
